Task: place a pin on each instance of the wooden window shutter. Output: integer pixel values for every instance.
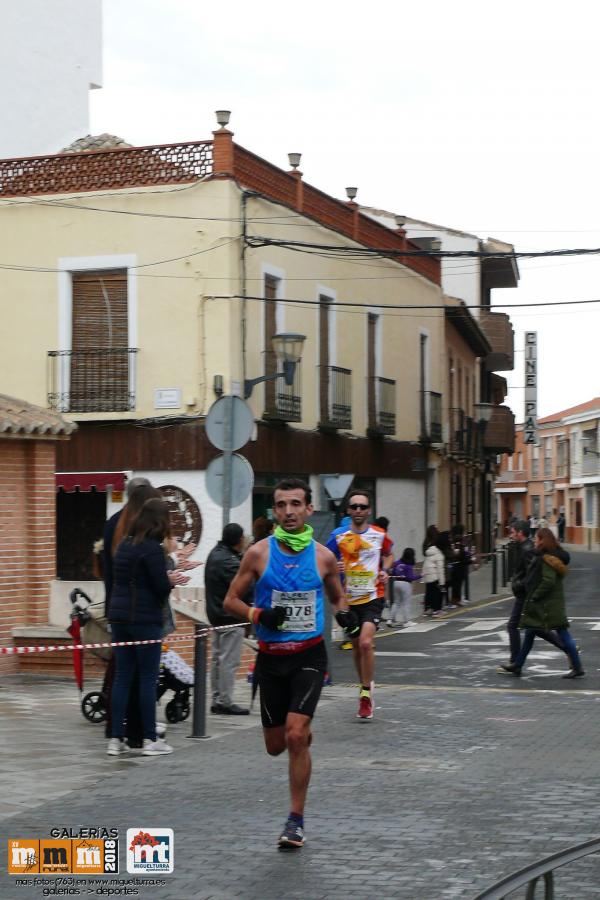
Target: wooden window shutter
(271, 284)
(99, 379)
(99, 311)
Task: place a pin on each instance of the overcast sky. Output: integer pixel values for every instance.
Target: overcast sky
(482, 117)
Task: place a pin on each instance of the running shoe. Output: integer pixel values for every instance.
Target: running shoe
(365, 707)
(292, 836)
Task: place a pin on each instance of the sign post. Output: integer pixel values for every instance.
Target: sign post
(530, 426)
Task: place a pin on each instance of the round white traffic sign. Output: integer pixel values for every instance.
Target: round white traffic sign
(232, 412)
(242, 479)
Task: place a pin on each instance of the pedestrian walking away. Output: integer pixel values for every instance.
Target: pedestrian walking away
(403, 574)
(525, 556)
(544, 606)
(363, 554)
(292, 572)
(222, 565)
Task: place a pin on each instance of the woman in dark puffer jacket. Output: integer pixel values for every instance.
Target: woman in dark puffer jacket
(140, 591)
(544, 606)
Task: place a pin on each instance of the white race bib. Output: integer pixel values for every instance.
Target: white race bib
(360, 583)
(300, 609)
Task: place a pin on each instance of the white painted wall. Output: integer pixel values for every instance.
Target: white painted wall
(51, 57)
(401, 500)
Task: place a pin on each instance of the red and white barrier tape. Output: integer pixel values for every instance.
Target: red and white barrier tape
(170, 639)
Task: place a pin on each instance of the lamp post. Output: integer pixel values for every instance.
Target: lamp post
(288, 350)
(483, 414)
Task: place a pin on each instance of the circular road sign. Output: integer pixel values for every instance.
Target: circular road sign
(242, 479)
(241, 418)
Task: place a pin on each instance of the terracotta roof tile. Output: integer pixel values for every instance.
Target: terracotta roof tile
(571, 411)
(17, 417)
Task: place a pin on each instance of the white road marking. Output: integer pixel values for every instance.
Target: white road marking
(484, 625)
(397, 653)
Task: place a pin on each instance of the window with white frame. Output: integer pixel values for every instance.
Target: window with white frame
(589, 506)
(535, 460)
(548, 456)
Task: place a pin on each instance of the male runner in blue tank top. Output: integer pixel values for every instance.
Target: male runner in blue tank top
(290, 570)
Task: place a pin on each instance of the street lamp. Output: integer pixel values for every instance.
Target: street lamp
(288, 350)
(483, 413)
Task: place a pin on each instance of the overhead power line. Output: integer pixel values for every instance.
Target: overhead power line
(337, 249)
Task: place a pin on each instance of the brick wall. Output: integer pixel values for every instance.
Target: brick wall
(27, 536)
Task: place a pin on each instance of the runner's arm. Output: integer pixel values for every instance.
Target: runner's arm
(332, 583)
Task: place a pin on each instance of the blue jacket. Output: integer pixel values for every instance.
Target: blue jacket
(141, 587)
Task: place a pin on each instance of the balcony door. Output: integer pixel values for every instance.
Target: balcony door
(324, 363)
(99, 369)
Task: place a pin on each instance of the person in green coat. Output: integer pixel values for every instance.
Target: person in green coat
(544, 607)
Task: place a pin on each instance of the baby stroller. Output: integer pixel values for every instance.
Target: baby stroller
(175, 674)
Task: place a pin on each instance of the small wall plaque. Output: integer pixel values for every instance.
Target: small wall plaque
(167, 398)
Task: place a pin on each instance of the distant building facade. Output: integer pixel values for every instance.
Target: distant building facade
(560, 474)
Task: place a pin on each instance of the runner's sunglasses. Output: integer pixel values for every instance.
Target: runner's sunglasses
(358, 506)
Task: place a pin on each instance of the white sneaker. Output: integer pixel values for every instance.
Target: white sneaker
(116, 746)
(161, 729)
(156, 748)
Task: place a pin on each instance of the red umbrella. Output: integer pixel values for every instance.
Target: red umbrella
(74, 630)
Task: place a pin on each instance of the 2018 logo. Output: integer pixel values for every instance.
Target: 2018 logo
(63, 857)
(150, 850)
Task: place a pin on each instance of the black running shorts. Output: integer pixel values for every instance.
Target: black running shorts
(370, 612)
(290, 683)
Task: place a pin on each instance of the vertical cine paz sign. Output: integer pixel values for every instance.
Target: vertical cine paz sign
(530, 427)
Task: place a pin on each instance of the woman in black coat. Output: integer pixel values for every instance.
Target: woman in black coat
(140, 592)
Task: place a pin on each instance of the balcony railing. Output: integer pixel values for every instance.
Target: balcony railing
(463, 434)
(285, 403)
(92, 380)
(499, 434)
(499, 332)
(382, 406)
(431, 417)
(335, 386)
(512, 475)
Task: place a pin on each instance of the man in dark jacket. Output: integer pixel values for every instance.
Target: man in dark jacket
(221, 568)
(519, 533)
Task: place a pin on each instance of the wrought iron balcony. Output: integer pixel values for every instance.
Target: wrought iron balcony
(431, 417)
(463, 434)
(92, 380)
(499, 434)
(381, 406)
(284, 402)
(335, 392)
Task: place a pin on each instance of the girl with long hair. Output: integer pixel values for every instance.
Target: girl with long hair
(139, 596)
(544, 606)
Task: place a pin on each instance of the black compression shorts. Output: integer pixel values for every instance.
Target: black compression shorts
(369, 612)
(290, 683)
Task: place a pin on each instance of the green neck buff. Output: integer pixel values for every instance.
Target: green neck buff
(295, 542)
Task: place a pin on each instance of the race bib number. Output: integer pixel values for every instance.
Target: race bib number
(300, 609)
(359, 583)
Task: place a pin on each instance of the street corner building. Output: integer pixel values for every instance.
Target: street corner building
(149, 281)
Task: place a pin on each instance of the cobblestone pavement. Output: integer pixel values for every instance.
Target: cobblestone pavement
(452, 785)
